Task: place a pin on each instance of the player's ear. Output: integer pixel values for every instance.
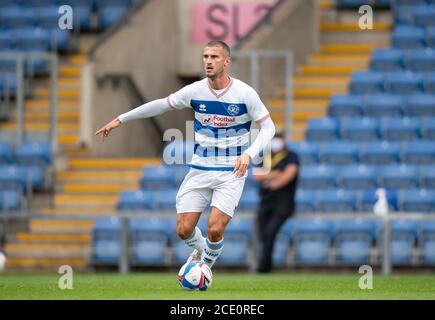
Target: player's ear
(227, 61)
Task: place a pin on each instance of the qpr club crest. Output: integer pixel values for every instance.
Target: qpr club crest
(233, 109)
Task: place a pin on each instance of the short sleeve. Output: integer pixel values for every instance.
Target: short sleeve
(181, 98)
(256, 108)
(292, 158)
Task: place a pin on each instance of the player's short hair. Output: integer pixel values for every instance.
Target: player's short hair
(219, 43)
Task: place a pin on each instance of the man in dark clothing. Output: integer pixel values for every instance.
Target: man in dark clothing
(277, 192)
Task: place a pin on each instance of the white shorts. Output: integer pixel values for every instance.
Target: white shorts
(223, 188)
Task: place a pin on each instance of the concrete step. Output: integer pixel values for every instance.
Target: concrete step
(300, 116)
(84, 201)
(99, 176)
(68, 210)
(347, 48)
(44, 263)
(339, 59)
(353, 27)
(63, 128)
(47, 251)
(317, 93)
(321, 82)
(60, 226)
(278, 104)
(112, 163)
(101, 188)
(78, 59)
(70, 93)
(328, 70)
(46, 116)
(69, 71)
(71, 238)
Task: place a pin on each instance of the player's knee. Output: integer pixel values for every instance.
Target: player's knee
(215, 232)
(184, 231)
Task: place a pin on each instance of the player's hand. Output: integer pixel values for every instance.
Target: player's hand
(242, 164)
(108, 127)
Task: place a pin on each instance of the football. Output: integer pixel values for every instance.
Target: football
(195, 276)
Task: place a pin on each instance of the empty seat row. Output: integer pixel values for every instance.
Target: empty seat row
(415, 14)
(382, 105)
(10, 200)
(348, 200)
(49, 15)
(364, 129)
(393, 59)
(310, 240)
(27, 153)
(34, 39)
(409, 37)
(371, 152)
(396, 82)
(397, 176)
(355, 4)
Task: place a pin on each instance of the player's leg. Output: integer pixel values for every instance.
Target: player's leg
(226, 195)
(217, 222)
(192, 198)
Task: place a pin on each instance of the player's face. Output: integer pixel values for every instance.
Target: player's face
(215, 61)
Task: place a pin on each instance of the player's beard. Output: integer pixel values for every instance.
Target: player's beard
(215, 75)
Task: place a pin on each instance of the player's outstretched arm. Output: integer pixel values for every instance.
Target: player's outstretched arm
(147, 110)
(104, 131)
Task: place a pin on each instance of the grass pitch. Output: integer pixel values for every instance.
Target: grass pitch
(163, 286)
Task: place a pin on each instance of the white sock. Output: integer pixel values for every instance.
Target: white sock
(212, 251)
(196, 240)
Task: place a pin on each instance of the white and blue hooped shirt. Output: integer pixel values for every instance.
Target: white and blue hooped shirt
(222, 122)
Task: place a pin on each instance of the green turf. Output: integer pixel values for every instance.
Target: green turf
(225, 286)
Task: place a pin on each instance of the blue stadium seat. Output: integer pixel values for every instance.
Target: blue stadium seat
(17, 17)
(345, 106)
(386, 59)
(34, 153)
(379, 152)
(358, 177)
(249, 200)
(9, 82)
(136, 200)
(312, 239)
(149, 240)
(404, 82)
(108, 16)
(420, 105)
(159, 177)
(404, 238)
(367, 82)
(427, 242)
(27, 39)
(400, 128)
(322, 129)
(420, 60)
(165, 198)
(12, 178)
(305, 200)
(5, 39)
(360, 129)
(424, 15)
(418, 152)
(404, 14)
(353, 239)
(48, 16)
(430, 37)
(383, 105)
(367, 199)
(5, 153)
(339, 152)
(397, 176)
(37, 176)
(102, 3)
(428, 128)
(429, 82)
(238, 236)
(180, 172)
(416, 200)
(317, 176)
(408, 37)
(308, 151)
(8, 3)
(335, 200)
(427, 176)
(106, 245)
(62, 39)
(10, 200)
